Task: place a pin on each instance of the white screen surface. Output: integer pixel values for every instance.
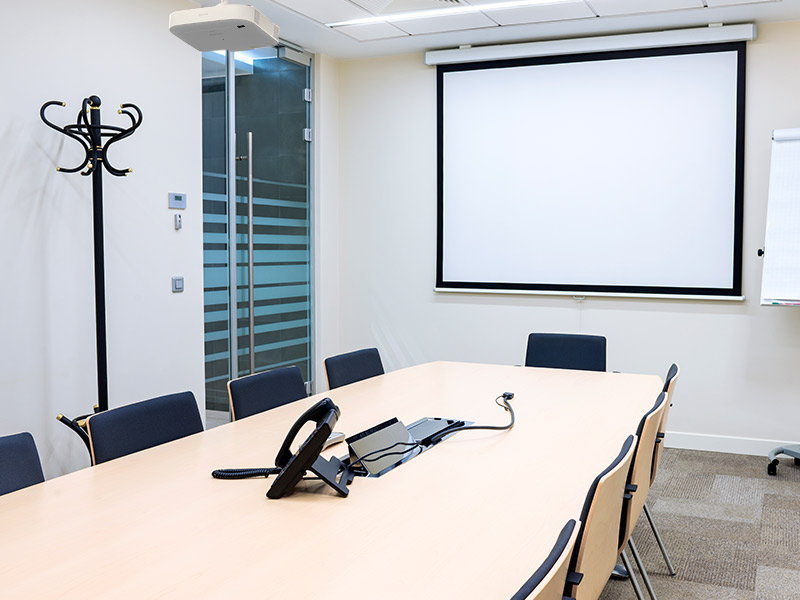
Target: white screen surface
(612, 173)
(780, 281)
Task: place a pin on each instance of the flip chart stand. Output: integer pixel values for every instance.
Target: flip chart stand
(89, 132)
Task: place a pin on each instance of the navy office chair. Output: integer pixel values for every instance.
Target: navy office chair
(566, 351)
(256, 393)
(539, 586)
(128, 429)
(353, 366)
(19, 463)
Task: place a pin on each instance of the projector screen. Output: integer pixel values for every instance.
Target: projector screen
(616, 173)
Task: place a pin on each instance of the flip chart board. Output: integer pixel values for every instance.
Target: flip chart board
(780, 282)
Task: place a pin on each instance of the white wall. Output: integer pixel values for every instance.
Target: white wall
(325, 211)
(123, 52)
(739, 385)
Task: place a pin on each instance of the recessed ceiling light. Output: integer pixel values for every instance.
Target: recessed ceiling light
(443, 12)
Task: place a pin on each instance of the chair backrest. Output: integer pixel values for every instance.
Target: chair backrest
(353, 366)
(548, 582)
(566, 351)
(641, 468)
(128, 429)
(256, 393)
(669, 388)
(596, 549)
(19, 463)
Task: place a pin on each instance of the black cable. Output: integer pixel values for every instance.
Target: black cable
(362, 459)
(244, 473)
(382, 456)
(505, 405)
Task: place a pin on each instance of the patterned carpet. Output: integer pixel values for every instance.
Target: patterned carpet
(733, 532)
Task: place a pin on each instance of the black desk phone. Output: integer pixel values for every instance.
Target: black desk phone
(294, 465)
(291, 467)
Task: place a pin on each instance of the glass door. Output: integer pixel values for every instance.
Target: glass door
(258, 314)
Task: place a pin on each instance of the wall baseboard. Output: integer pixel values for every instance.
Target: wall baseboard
(722, 443)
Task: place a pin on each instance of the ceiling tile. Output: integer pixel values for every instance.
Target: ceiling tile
(447, 23)
(626, 7)
(374, 31)
(540, 13)
(326, 11)
(715, 3)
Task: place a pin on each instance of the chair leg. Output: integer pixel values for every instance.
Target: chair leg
(636, 589)
(642, 570)
(659, 540)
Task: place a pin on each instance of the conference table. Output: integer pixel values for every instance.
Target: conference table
(473, 517)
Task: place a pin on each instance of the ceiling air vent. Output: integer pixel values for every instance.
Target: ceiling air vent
(381, 7)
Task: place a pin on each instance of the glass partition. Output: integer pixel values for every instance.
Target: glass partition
(257, 317)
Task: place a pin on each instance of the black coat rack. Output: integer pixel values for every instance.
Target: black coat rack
(89, 133)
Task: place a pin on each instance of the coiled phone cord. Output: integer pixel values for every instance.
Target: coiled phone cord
(244, 473)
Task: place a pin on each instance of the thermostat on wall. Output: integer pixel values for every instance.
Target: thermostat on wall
(177, 200)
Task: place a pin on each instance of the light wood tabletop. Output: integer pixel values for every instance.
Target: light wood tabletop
(471, 518)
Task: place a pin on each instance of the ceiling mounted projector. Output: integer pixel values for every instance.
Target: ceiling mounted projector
(225, 26)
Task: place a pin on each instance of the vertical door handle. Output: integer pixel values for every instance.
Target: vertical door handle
(250, 253)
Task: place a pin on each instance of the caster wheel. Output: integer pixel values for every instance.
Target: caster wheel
(772, 468)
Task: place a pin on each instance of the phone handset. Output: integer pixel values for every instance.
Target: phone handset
(318, 414)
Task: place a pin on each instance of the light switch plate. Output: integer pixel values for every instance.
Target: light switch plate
(177, 200)
(177, 285)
